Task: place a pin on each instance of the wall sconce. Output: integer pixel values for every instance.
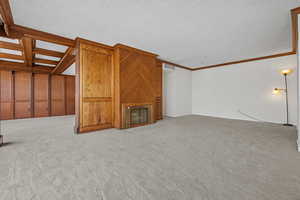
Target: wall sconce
(276, 91)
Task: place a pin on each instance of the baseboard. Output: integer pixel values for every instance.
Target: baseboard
(238, 118)
(177, 115)
(224, 117)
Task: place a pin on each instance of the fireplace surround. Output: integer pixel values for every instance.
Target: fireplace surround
(134, 115)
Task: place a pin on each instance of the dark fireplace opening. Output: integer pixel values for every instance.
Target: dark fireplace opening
(136, 115)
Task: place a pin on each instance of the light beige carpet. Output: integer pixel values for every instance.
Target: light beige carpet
(192, 157)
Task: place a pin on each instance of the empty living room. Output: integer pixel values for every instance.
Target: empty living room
(149, 100)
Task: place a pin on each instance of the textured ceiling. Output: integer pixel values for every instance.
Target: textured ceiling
(192, 33)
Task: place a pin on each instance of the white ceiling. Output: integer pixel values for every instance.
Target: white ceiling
(188, 32)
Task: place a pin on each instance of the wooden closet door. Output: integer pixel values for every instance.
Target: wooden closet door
(23, 94)
(70, 95)
(41, 95)
(57, 95)
(7, 100)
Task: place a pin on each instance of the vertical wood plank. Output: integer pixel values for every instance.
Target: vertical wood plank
(23, 95)
(7, 98)
(70, 95)
(41, 95)
(58, 95)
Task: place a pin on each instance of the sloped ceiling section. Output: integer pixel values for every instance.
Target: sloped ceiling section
(192, 33)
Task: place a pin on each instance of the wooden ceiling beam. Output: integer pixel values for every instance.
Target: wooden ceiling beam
(45, 61)
(6, 16)
(15, 66)
(19, 31)
(5, 12)
(33, 47)
(11, 56)
(65, 62)
(47, 52)
(7, 30)
(11, 46)
(27, 44)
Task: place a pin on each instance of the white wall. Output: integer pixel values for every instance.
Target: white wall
(247, 88)
(298, 96)
(298, 85)
(177, 99)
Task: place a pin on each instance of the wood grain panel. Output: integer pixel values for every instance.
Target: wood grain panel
(70, 95)
(158, 78)
(137, 76)
(97, 74)
(96, 113)
(6, 95)
(57, 95)
(158, 86)
(27, 44)
(41, 95)
(136, 79)
(95, 82)
(158, 108)
(23, 95)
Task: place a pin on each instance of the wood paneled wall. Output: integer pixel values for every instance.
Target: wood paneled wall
(138, 79)
(6, 95)
(95, 85)
(25, 95)
(159, 90)
(41, 95)
(109, 77)
(70, 95)
(58, 95)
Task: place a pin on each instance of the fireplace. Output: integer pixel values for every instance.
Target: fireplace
(134, 115)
